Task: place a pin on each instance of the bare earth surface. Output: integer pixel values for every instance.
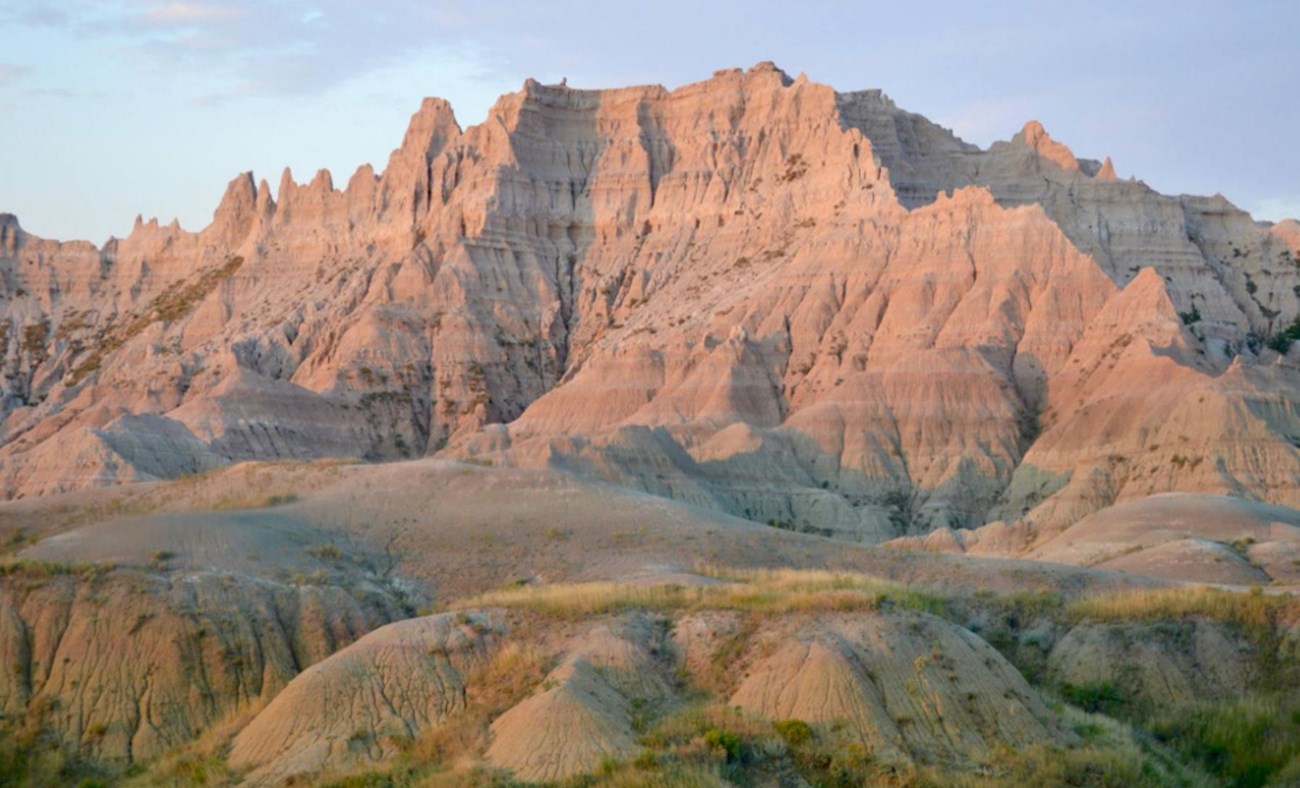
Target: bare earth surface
(750, 432)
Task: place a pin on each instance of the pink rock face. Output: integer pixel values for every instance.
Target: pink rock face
(1036, 137)
(1288, 232)
(751, 293)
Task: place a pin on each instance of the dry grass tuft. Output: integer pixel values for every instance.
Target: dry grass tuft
(773, 592)
(1255, 613)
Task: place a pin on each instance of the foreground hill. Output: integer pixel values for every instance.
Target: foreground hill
(753, 293)
(437, 623)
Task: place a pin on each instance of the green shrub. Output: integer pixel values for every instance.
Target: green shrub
(1246, 742)
(1281, 341)
(1094, 696)
(795, 732)
(727, 741)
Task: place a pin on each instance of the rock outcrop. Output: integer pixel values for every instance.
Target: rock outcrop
(906, 688)
(123, 665)
(910, 688)
(358, 706)
(752, 293)
(1165, 665)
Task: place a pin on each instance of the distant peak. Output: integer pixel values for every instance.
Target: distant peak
(233, 217)
(768, 67)
(435, 115)
(263, 192)
(287, 184)
(1034, 136)
(241, 191)
(1033, 132)
(323, 181)
(1107, 171)
(433, 104)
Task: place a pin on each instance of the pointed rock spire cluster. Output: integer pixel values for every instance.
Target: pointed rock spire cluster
(752, 292)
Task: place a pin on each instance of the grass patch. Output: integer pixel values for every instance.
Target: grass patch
(25, 764)
(1095, 696)
(1254, 613)
(31, 569)
(830, 755)
(267, 502)
(745, 590)
(1245, 742)
(713, 734)
(325, 552)
(201, 762)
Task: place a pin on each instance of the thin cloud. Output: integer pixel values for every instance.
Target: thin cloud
(285, 49)
(12, 73)
(173, 14)
(308, 47)
(35, 15)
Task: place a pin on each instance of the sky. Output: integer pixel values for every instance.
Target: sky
(113, 108)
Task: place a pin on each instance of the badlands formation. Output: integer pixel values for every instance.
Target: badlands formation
(745, 433)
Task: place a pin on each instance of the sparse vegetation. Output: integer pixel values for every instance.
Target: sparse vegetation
(1254, 613)
(172, 304)
(36, 570)
(795, 732)
(1282, 340)
(715, 735)
(504, 680)
(761, 591)
(25, 765)
(266, 502)
(325, 552)
(35, 336)
(1094, 697)
(795, 168)
(1246, 742)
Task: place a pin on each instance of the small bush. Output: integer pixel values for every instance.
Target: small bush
(795, 732)
(1281, 341)
(1094, 696)
(325, 552)
(711, 732)
(728, 742)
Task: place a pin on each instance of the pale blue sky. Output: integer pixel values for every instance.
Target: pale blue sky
(109, 108)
